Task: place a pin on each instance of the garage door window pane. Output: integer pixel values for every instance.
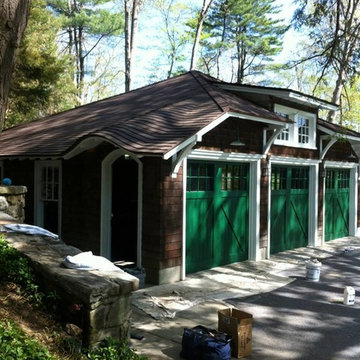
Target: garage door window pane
(330, 180)
(278, 178)
(234, 177)
(343, 179)
(200, 177)
(299, 178)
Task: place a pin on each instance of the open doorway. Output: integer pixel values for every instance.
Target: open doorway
(124, 210)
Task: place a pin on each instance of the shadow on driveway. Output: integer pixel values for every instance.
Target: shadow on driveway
(307, 320)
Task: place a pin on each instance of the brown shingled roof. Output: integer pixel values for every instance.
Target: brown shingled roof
(337, 128)
(150, 120)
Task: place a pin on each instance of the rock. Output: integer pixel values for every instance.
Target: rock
(73, 330)
(3, 203)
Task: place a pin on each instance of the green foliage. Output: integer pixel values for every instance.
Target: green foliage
(15, 268)
(350, 115)
(247, 31)
(85, 24)
(111, 349)
(14, 344)
(42, 82)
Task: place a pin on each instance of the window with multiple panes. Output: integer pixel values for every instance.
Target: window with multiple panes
(284, 135)
(234, 177)
(330, 180)
(303, 130)
(301, 133)
(200, 177)
(338, 179)
(50, 183)
(278, 178)
(300, 178)
(343, 179)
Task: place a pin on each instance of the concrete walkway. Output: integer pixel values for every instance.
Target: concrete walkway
(160, 313)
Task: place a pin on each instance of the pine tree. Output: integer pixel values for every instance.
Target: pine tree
(41, 83)
(86, 23)
(248, 31)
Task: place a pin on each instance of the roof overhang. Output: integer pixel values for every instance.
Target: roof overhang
(338, 134)
(285, 94)
(198, 136)
(91, 142)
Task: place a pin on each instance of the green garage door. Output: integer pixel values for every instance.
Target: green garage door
(337, 186)
(217, 214)
(289, 208)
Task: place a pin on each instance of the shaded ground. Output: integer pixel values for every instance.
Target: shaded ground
(306, 320)
(34, 322)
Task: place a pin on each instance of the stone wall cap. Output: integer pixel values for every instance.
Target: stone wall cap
(48, 254)
(12, 189)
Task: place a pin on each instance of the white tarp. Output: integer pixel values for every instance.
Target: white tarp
(29, 230)
(87, 261)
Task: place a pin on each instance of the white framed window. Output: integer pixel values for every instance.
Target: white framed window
(48, 195)
(301, 133)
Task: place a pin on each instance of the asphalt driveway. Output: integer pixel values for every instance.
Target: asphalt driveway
(305, 319)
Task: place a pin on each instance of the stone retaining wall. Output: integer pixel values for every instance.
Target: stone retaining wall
(12, 201)
(98, 302)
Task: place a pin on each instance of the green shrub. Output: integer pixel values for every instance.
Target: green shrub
(15, 345)
(16, 268)
(111, 349)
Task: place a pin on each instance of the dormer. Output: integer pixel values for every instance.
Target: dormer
(301, 109)
(301, 132)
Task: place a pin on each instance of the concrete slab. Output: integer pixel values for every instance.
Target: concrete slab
(207, 291)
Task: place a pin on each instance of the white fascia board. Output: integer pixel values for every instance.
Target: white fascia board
(198, 136)
(259, 119)
(176, 149)
(339, 164)
(293, 161)
(312, 101)
(285, 94)
(199, 154)
(341, 136)
(238, 88)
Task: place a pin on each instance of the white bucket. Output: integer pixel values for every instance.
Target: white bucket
(349, 295)
(313, 269)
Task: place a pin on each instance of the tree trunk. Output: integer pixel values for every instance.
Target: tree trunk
(205, 7)
(220, 48)
(127, 10)
(336, 96)
(13, 20)
(132, 8)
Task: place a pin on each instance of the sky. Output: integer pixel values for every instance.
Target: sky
(151, 62)
(151, 42)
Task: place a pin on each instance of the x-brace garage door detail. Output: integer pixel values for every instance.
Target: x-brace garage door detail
(337, 186)
(289, 208)
(217, 214)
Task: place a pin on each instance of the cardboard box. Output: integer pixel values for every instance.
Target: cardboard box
(238, 324)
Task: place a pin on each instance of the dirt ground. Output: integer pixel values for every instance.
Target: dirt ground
(34, 322)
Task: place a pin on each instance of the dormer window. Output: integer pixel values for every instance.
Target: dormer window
(299, 134)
